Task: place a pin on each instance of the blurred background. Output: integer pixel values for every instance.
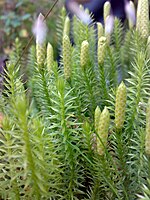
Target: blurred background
(17, 18)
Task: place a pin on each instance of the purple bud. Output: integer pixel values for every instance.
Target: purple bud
(130, 12)
(109, 25)
(81, 14)
(40, 29)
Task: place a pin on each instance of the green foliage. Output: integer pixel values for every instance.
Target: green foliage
(49, 137)
(13, 21)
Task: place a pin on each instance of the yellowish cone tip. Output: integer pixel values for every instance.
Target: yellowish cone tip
(101, 49)
(100, 30)
(63, 10)
(84, 56)
(87, 11)
(97, 117)
(148, 40)
(81, 7)
(147, 138)
(131, 25)
(66, 26)
(120, 105)
(67, 56)
(50, 57)
(107, 8)
(103, 131)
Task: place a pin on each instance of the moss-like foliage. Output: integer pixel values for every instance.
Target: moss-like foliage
(80, 137)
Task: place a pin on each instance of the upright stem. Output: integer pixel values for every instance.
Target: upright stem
(122, 161)
(103, 83)
(91, 95)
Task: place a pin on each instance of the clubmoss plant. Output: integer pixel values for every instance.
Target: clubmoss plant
(107, 9)
(103, 130)
(50, 57)
(100, 30)
(120, 106)
(102, 44)
(40, 30)
(97, 118)
(143, 18)
(101, 50)
(84, 53)
(55, 143)
(60, 26)
(66, 27)
(130, 12)
(67, 57)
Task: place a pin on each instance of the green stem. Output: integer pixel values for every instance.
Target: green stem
(95, 190)
(13, 184)
(78, 102)
(113, 70)
(29, 157)
(69, 158)
(122, 161)
(90, 92)
(107, 177)
(133, 118)
(46, 92)
(103, 83)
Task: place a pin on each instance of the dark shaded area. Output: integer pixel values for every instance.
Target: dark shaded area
(3, 60)
(96, 7)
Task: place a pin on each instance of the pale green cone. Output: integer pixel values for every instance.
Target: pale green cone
(143, 18)
(103, 131)
(84, 56)
(67, 57)
(50, 57)
(66, 30)
(107, 8)
(138, 16)
(147, 139)
(101, 49)
(100, 30)
(120, 105)
(40, 30)
(40, 54)
(97, 117)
